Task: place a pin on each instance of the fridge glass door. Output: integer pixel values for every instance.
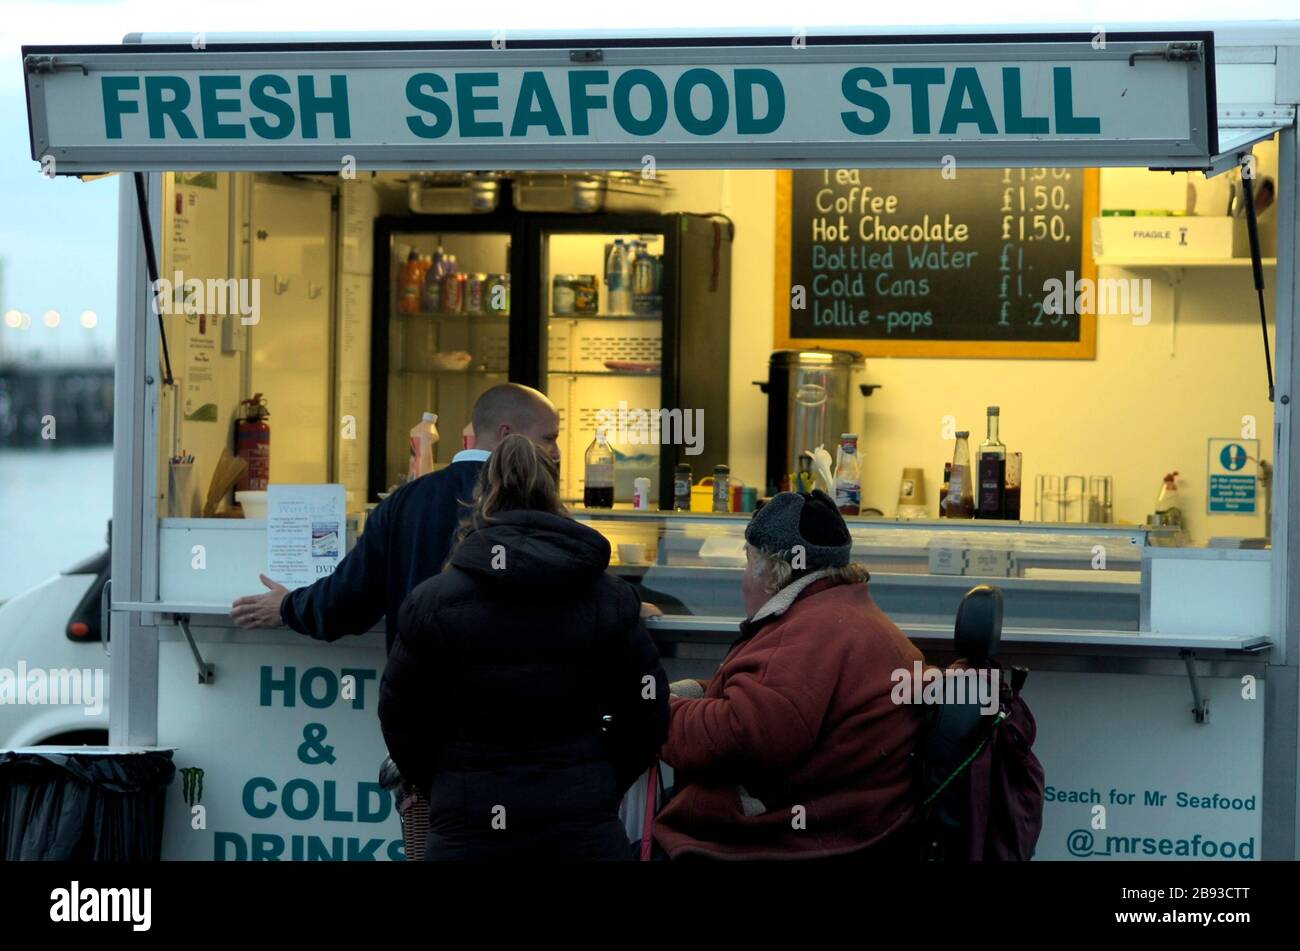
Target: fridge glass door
(449, 335)
(602, 350)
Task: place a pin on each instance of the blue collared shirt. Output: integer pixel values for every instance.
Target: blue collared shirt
(471, 455)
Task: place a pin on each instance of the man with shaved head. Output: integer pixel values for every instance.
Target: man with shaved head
(408, 536)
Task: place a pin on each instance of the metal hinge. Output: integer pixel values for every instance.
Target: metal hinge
(50, 64)
(1183, 51)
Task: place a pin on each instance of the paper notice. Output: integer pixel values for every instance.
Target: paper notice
(305, 532)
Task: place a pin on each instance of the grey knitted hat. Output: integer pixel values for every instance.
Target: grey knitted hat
(809, 520)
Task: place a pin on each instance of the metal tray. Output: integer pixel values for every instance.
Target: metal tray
(585, 193)
(453, 194)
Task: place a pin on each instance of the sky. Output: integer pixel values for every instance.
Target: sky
(58, 237)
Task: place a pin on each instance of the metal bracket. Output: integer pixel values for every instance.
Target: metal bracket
(586, 56)
(1200, 706)
(207, 673)
(50, 64)
(1184, 51)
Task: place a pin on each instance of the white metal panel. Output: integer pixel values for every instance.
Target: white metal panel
(1130, 99)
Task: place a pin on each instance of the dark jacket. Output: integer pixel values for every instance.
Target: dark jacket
(494, 693)
(797, 749)
(406, 540)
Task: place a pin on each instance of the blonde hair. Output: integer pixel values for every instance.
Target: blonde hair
(520, 476)
(776, 572)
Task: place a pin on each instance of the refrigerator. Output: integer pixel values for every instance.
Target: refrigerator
(652, 368)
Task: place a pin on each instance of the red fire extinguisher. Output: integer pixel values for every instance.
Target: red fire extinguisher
(253, 443)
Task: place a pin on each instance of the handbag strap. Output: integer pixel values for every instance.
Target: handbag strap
(651, 804)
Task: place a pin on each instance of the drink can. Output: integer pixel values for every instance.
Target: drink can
(562, 294)
(453, 293)
(644, 284)
(475, 285)
(641, 494)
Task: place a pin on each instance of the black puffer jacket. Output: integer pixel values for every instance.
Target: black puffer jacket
(494, 693)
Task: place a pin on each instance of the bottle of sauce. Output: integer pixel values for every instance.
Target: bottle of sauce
(992, 471)
(1011, 501)
(682, 487)
(960, 500)
(598, 481)
(943, 486)
(423, 436)
(848, 476)
(721, 488)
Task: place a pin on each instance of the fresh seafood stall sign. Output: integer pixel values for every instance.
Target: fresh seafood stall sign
(127, 109)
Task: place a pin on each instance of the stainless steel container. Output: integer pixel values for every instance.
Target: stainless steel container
(453, 193)
(586, 192)
(807, 406)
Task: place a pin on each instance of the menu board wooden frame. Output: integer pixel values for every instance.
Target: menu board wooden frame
(1085, 348)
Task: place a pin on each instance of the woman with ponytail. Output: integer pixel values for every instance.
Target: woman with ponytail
(523, 695)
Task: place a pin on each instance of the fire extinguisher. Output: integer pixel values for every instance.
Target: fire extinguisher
(253, 443)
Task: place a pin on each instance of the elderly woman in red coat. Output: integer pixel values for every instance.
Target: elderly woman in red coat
(795, 749)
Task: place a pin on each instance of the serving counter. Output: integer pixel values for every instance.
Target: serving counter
(1145, 667)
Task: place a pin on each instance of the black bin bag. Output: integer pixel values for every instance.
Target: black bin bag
(97, 805)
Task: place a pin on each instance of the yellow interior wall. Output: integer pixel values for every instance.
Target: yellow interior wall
(1146, 405)
(199, 250)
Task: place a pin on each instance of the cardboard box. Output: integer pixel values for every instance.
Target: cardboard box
(1150, 237)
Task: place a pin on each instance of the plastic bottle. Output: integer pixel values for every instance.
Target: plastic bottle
(598, 479)
(431, 296)
(848, 476)
(423, 435)
(408, 285)
(1167, 507)
(618, 279)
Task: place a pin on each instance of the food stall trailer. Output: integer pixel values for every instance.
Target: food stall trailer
(1168, 700)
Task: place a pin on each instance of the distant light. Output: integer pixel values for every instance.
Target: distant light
(51, 318)
(89, 319)
(13, 319)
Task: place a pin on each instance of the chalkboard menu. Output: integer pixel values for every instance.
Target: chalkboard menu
(912, 262)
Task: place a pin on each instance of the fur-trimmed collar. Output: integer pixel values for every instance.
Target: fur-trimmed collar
(780, 602)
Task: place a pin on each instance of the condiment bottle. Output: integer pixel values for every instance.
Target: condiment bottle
(960, 500)
(721, 488)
